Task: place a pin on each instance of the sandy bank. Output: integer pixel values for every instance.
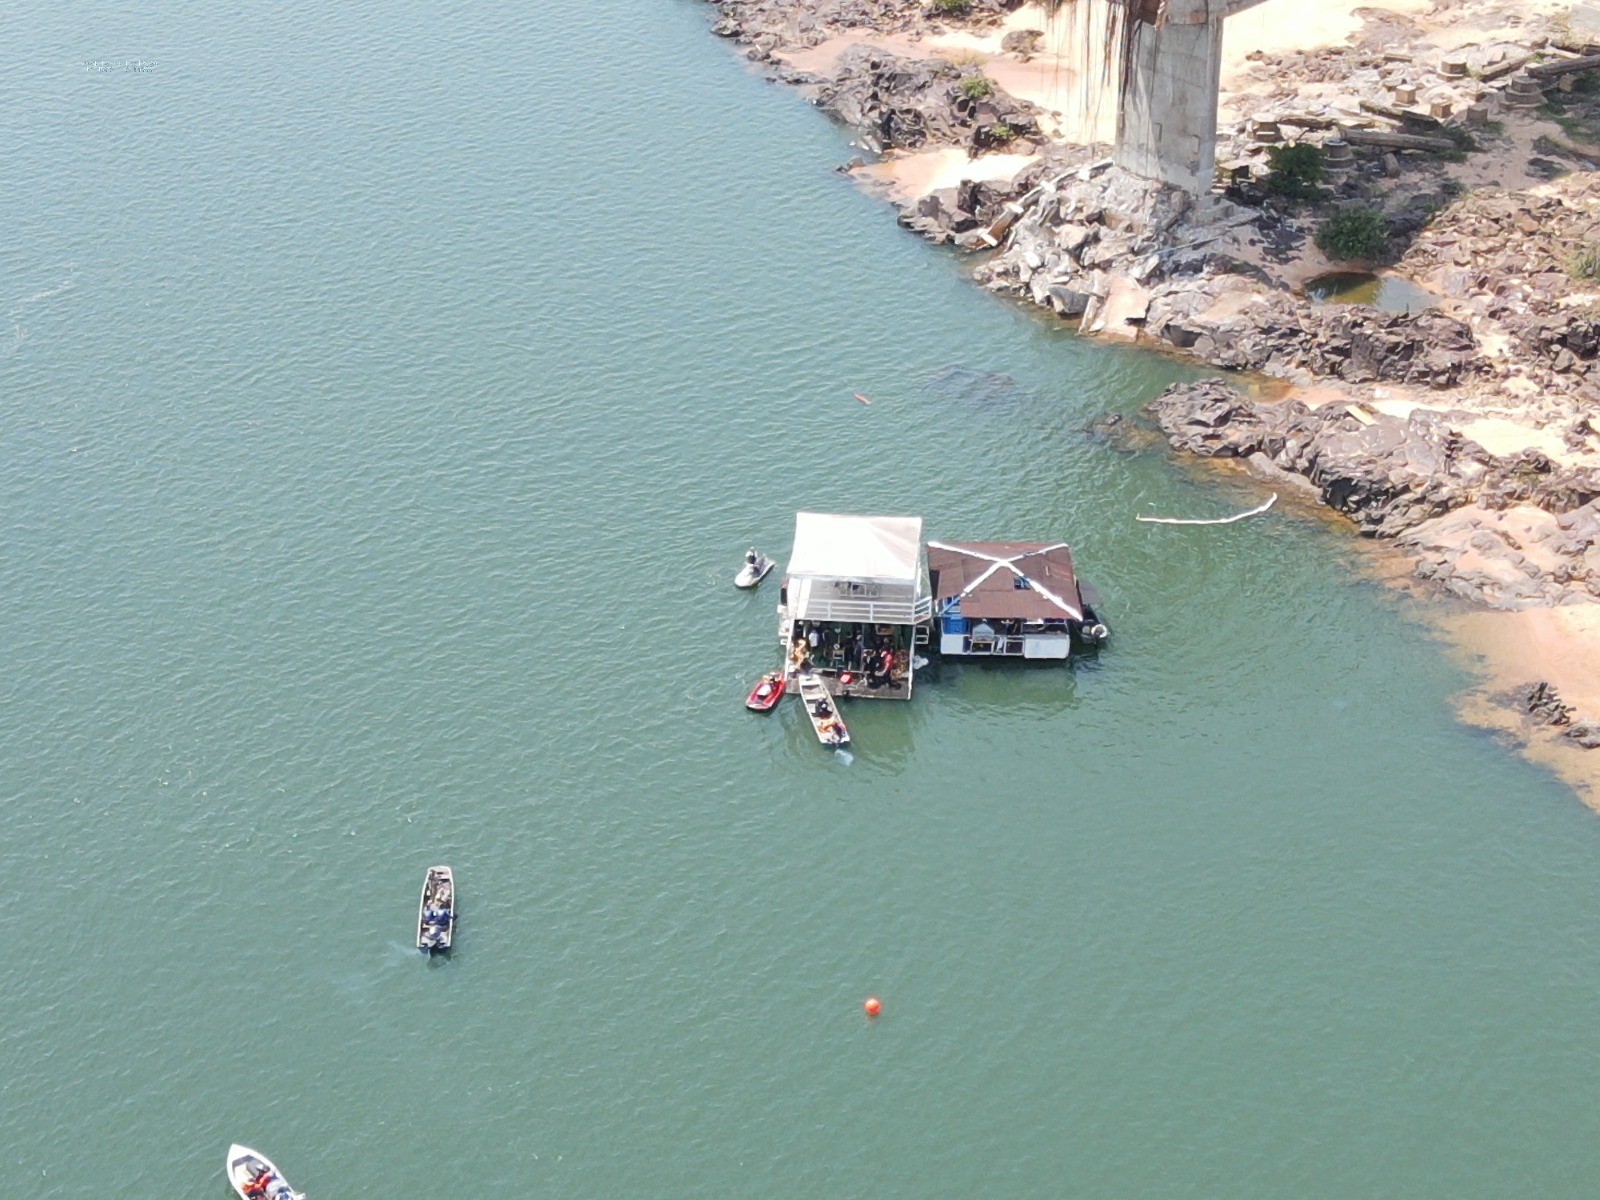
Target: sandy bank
(1560, 646)
(905, 177)
(1285, 26)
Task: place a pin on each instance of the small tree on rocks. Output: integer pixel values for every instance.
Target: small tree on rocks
(1294, 171)
(1354, 235)
(977, 87)
(1585, 264)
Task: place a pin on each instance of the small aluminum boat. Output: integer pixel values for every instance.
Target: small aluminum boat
(823, 711)
(436, 914)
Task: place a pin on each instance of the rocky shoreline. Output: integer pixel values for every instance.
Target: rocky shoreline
(1465, 432)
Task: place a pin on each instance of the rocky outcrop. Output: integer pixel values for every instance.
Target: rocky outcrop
(1542, 704)
(1349, 342)
(1508, 259)
(957, 214)
(1400, 476)
(1517, 558)
(899, 103)
(797, 23)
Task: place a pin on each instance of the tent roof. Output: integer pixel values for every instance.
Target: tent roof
(986, 576)
(848, 547)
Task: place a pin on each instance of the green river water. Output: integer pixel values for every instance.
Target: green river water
(387, 394)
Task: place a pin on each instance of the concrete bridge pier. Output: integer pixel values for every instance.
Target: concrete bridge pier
(1167, 119)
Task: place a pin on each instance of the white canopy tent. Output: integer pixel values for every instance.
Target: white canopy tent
(853, 568)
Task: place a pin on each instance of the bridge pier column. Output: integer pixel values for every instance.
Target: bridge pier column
(1167, 123)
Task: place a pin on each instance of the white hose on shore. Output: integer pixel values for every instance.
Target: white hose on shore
(1254, 512)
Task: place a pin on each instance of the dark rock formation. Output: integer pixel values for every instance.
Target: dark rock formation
(903, 103)
(1386, 473)
(1541, 702)
(1350, 342)
(798, 23)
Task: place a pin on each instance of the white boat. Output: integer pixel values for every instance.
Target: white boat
(253, 1176)
(757, 566)
(436, 911)
(823, 711)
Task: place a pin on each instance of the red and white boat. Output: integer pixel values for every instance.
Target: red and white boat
(765, 695)
(252, 1175)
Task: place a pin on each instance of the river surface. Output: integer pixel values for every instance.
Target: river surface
(387, 395)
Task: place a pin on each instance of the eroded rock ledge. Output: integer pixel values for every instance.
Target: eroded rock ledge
(1507, 532)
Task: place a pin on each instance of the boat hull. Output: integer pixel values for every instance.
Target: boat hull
(244, 1164)
(822, 710)
(776, 688)
(435, 936)
(749, 578)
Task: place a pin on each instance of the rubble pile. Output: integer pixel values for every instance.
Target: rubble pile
(1507, 259)
(1079, 227)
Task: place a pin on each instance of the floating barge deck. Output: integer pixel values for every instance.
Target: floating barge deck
(856, 603)
(1010, 600)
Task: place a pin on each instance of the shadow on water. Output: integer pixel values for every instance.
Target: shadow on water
(968, 385)
(1012, 686)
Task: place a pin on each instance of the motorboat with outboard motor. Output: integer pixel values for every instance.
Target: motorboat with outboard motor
(765, 695)
(436, 914)
(252, 1175)
(757, 566)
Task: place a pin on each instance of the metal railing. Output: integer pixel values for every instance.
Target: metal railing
(868, 612)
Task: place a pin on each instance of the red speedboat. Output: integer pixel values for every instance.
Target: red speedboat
(765, 695)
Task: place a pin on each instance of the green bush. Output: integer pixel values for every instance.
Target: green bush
(1294, 171)
(977, 87)
(1354, 235)
(1585, 264)
(951, 8)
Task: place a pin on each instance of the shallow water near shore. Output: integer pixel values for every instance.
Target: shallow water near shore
(389, 396)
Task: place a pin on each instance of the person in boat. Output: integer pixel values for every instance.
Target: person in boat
(751, 558)
(258, 1184)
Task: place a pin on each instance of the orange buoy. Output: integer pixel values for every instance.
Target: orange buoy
(873, 1006)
